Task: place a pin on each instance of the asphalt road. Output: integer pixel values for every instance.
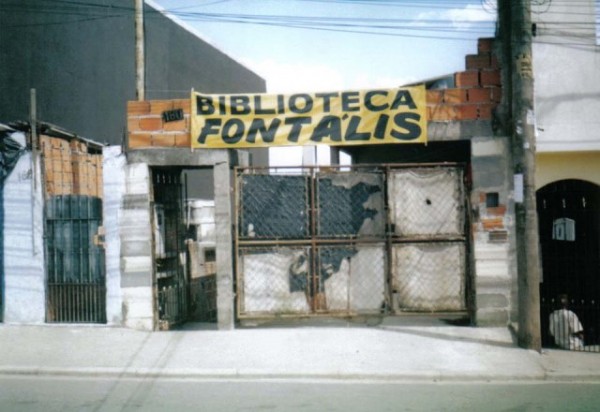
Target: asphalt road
(47, 394)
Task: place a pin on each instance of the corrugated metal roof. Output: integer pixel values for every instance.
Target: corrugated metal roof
(48, 129)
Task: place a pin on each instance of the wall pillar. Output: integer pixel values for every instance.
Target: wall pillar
(113, 176)
(224, 250)
(136, 249)
(493, 231)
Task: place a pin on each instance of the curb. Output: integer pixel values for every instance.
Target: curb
(335, 376)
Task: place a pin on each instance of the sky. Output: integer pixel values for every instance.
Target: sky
(333, 45)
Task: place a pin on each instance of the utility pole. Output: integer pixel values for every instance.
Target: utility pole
(523, 150)
(34, 159)
(139, 50)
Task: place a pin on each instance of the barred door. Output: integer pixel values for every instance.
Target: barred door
(169, 236)
(75, 260)
(569, 228)
(350, 242)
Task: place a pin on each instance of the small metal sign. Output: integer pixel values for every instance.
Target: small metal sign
(563, 229)
(172, 115)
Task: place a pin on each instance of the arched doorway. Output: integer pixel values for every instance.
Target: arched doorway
(569, 228)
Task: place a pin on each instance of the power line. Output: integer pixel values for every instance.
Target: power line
(409, 28)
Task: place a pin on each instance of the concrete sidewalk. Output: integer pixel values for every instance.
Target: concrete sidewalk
(344, 351)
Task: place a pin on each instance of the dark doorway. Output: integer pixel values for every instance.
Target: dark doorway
(569, 228)
(168, 245)
(184, 248)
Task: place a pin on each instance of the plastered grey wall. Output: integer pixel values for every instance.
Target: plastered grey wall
(494, 253)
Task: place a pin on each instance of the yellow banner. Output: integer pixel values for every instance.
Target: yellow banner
(364, 117)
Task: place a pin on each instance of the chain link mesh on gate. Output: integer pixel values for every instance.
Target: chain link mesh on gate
(361, 241)
(273, 206)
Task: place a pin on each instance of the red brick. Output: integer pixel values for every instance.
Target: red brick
(138, 108)
(485, 111)
(491, 78)
(434, 96)
(466, 79)
(485, 45)
(478, 61)
(137, 140)
(160, 106)
(163, 140)
(177, 126)
(133, 124)
(455, 96)
(184, 104)
(442, 112)
(182, 140)
(492, 223)
(494, 62)
(150, 123)
(479, 95)
(496, 211)
(467, 112)
(496, 94)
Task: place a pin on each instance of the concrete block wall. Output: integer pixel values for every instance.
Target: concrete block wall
(136, 249)
(493, 231)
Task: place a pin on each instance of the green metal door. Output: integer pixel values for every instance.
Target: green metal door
(76, 286)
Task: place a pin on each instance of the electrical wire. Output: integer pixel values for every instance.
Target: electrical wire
(84, 11)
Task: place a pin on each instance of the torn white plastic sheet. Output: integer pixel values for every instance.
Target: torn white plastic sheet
(359, 285)
(266, 282)
(429, 276)
(426, 201)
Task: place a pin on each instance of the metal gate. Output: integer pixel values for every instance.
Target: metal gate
(569, 228)
(169, 256)
(351, 240)
(75, 260)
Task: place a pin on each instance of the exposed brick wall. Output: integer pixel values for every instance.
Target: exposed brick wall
(69, 169)
(477, 92)
(147, 128)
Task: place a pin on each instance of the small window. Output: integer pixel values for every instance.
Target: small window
(492, 199)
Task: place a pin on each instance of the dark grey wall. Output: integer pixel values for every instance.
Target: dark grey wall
(79, 56)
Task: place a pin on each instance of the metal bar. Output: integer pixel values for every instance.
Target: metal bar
(389, 293)
(266, 169)
(352, 241)
(236, 241)
(313, 246)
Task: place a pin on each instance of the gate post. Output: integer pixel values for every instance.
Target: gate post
(224, 245)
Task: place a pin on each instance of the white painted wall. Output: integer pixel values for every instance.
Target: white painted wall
(24, 273)
(113, 170)
(566, 66)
